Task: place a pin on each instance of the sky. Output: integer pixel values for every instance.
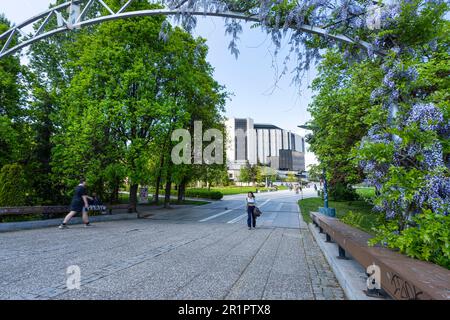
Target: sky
(250, 78)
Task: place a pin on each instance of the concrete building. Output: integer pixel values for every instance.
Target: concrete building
(263, 144)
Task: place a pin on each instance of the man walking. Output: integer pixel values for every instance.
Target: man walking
(79, 204)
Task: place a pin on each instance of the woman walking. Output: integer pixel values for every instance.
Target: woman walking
(79, 204)
(251, 203)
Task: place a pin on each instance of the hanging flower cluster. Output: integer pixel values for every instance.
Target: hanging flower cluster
(436, 194)
(426, 155)
(286, 19)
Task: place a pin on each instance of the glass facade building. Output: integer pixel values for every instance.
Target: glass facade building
(263, 144)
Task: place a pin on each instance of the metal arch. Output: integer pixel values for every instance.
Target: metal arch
(122, 14)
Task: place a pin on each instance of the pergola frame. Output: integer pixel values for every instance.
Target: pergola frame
(122, 13)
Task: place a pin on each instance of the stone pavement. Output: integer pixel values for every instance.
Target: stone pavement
(166, 259)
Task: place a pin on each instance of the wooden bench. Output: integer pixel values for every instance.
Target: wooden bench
(402, 277)
(48, 210)
(111, 207)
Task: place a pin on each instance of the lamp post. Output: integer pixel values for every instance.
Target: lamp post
(331, 212)
(325, 209)
(325, 189)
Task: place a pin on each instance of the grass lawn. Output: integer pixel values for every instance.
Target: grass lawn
(366, 193)
(356, 213)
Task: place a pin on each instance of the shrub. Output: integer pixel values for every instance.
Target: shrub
(365, 221)
(341, 192)
(428, 239)
(199, 193)
(13, 186)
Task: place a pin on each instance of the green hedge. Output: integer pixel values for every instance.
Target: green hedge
(341, 192)
(200, 193)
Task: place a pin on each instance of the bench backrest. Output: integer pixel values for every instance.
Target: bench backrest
(8, 211)
(401, 277)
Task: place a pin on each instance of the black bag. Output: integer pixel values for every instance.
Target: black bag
(257, 212)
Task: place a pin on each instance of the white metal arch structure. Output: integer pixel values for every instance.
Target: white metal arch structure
(76, 20)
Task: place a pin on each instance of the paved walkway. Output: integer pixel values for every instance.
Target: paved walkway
(201, 252)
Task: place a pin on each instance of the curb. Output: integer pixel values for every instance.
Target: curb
(349, 273)
(27, 225)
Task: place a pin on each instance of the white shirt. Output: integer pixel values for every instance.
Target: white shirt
(251, 200)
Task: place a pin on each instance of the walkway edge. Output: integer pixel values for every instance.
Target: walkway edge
(349, 273)
(38, 224)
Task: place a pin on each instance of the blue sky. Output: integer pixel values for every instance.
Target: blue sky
(251, 78)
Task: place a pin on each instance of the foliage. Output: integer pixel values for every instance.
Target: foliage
(14, 134)
(401, 136)
(250, 173)
(231, 190)
(204, 193)
(13, 186)
(129, 91)
(427, 239)
(314, 173)
(366, 194)
(356, 213)
(267, 173)
(291, 178)
(341, 111)
(406, 159)
(10, 75)
(341, 192)
(8, 141)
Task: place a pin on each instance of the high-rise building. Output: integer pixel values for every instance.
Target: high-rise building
(264, 144)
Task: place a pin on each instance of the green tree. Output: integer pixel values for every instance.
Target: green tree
(342, 112)
(10, 80)
(13, 186)
(128, 92)
(267, 173)
(245, 173)
(14, 134)
(291, 178)
(47, 77)
(314, 173)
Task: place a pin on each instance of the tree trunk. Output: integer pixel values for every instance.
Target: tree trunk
(116, 194)
(114, 197)
(181, 190)
(179, 194)
(167, 191)
(158, 185)
(133, 197)
(158, 181)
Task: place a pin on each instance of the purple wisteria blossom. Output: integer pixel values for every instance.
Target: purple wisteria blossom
(433, 156)
(428, 116)
(435, 194)
(376, 134)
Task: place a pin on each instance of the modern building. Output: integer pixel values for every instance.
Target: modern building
(263, 144)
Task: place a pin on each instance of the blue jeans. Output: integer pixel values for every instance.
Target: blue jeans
(251, 219)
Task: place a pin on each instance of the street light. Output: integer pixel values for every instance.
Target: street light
(325, 209)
